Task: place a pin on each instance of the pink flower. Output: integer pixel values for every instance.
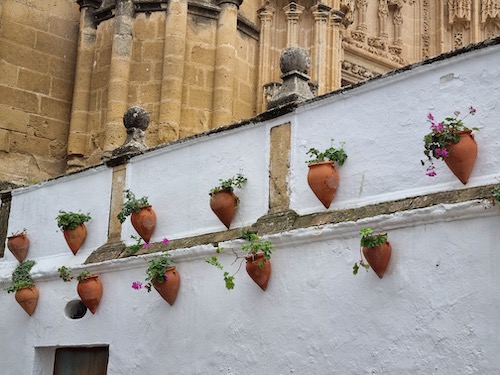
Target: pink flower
(430, 116)
(437, 152)
(165, 240)
(137, 285)
(444, 153)
(430, 171)
(472, 110)
(439, 127)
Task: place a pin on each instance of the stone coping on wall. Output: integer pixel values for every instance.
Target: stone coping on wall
(289, 221)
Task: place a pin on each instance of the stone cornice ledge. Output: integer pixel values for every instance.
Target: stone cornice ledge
(284, 224)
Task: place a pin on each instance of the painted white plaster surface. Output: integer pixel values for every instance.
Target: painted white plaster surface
(177, 181)
(35, 208)
(434, 312)
(383, 124)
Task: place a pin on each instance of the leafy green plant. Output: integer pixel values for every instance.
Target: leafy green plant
(132, 249)
(442, 135)
(66, 276)
(156, 271)
(21, 277)
(337, 155)
(131, 204)
(368, 239)
(255, 245)
(70, 220)
(230, 184)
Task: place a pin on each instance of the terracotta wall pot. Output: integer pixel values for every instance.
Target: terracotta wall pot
(169, 289)
(18, 245)
(260, 276)
(462, 156)
(90, 292)
(75, 237)
(144, 222)
(378, 257)
(28, 298)
(323, 180)
(223, 204)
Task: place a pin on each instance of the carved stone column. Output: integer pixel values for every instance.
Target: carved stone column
(337, 52)
(225, 55)
(383, 13)
(320, 47)
(265, 71)
(293, 12)
(119, 75)
(79, 138)
(173, 70)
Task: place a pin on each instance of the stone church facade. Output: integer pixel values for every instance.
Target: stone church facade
(70, 69)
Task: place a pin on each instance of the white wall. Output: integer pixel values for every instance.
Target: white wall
(434, 312)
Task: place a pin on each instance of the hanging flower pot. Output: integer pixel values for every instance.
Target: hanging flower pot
(377, 251)
(89, 289)
(322, 177)
(378, 257)
(323, 180)
(462, 155)
(161, 275)
(26, 293)
(451, 141)
(168, 289)
(223, 201)
(223, 204)
(259, 269)
(19, 244)
(144, 222)
(75, 237)
(143, 218)
(27, 297)
(73, 227)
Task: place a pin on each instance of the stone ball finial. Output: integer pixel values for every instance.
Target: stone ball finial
(136, 117)
(295, 59)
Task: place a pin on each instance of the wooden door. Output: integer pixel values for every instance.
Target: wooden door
(81, 361)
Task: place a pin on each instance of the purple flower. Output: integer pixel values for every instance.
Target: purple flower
(165, 240)
(430, 171)
(437, 152)
(439, 127)
(145, 246)
(430, 116)
(166, 277)
(444, 153)
(472, 110)
(137, 285)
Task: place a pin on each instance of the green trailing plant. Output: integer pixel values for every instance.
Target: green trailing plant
(66, 276)
(336, 155)
(70, 220)
(253, 246)
(21, 277)
(368, 240)
(230, 184)
(131, 204)
(134, 248)
(156, 271)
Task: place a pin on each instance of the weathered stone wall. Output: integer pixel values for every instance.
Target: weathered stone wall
(38, 42)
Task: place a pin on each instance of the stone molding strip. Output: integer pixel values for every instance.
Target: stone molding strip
(287, 221)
